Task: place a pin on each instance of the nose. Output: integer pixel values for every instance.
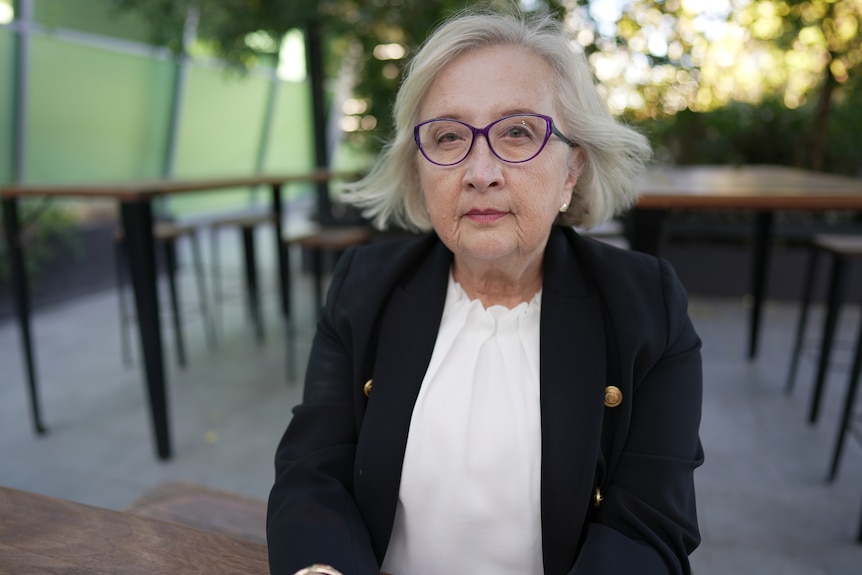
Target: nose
(483, 170)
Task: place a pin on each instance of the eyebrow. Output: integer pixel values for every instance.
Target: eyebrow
(460, 117)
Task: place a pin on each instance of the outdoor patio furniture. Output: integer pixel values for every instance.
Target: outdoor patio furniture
(135, 200)
(166, 235)
(41, 534)
(332, 241)
(246, 223)
(843, 248)
(205, 508)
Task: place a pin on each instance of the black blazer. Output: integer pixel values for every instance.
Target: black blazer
(608, 317)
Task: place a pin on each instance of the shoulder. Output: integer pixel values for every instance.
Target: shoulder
(627, 273)
(384, 261)
(642, 294)
(366, 275)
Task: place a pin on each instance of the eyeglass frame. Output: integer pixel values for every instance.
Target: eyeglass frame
(551, 130)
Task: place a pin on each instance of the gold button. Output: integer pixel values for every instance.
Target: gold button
(366, 389)
(597, 497)
(613, 396)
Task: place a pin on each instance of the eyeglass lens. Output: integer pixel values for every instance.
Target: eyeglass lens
(512, 139)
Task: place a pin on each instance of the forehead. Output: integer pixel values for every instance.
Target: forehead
(486, 83)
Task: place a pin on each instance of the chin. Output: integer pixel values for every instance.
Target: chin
(486, 250)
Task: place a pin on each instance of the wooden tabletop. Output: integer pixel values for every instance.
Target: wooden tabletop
(754, 187)
(142, 189)
(41, 535)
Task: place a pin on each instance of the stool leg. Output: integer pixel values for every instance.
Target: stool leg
(216, 276)
(285, 292)
(171, 266)
(317, 262)
(849, 402)
(836, 295)
(198, 262)
(284, 287)
(121, 260)
(251, 284)
(803, 320)
(859, 535)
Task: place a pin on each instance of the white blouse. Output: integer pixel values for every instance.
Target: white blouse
(469, 500)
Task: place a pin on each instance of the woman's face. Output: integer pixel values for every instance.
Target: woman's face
(485, 210)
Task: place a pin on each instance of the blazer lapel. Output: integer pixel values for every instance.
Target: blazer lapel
(573, 372)
(407, 332)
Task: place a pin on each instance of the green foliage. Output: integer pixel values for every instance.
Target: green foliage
(405, 22)
(352, 28)
(763, 133)
(44, 226)
(760, 132)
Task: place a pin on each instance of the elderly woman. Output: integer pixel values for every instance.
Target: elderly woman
(500, 395)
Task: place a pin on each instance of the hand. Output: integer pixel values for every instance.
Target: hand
(318, 569)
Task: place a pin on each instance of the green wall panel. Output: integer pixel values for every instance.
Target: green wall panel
(7, 67)
(95, 115)
(230, 145)
(94, 16)
(219, 135)
(291, 138)
(291, 135)
(222, 116)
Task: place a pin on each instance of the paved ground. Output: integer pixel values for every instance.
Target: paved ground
(764, 505)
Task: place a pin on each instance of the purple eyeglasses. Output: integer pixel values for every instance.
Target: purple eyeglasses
(514, 139)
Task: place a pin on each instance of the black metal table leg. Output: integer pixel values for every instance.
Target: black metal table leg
(281, 251)
(646, 230)
(251, 284)
(759, 272)
(21, 295)
(138, 222)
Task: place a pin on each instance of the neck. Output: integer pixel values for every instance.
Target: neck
(493, 284)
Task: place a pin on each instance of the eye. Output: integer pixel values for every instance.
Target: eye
(445, 134)
(518, 131)
(448, 137)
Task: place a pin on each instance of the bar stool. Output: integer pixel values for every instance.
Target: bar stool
(845, 421)
(166, 234)
(610, 232)
(328, 240)
(843, 248)
(247, 224)
(859, 535)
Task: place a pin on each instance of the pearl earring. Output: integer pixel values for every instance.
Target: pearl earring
(564, 207)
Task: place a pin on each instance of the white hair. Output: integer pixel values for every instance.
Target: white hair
(612, 155)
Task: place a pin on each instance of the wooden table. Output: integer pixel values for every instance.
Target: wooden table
(764, 189)
(44, 535)
(135, 199)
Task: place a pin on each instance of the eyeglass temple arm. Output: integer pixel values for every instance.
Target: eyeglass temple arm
(559, 134)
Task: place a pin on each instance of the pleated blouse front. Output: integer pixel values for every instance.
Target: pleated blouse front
(469, 500)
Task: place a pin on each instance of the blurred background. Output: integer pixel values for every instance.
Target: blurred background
(100, 91)
(123, 90)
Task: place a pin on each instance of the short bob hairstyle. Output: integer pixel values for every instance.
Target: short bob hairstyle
(612, 155)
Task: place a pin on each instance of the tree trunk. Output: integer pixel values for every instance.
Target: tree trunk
(820, 128)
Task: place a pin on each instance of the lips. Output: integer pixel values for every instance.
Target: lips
(485, 215)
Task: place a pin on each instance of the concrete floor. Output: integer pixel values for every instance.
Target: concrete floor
(763, 503)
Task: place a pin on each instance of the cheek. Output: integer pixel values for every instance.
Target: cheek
(440, 196)
(543, 196)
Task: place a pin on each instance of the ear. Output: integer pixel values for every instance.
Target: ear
(576, 165)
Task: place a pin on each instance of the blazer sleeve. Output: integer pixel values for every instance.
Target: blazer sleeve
(312, 516)
(647, 521)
